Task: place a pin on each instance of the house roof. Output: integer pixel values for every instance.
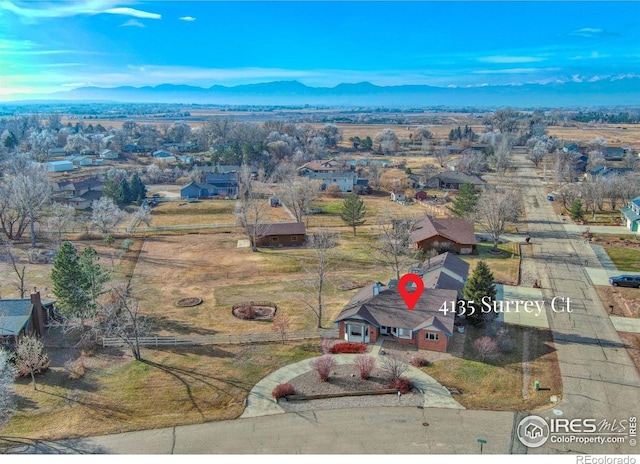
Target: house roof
(630, 214)
(279, 228)
(321, 165)
(14, 316)
(455, 229)
(440, 279)
(636, 201)
(388, 309)
(448, 261)
(87, 184)
(458, 177)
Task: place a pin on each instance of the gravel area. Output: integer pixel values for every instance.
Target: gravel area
(346, 379)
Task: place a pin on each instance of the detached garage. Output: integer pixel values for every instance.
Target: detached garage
(59, 166)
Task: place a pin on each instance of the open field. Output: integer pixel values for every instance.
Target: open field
(615, 134)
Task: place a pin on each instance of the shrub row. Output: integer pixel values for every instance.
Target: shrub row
(348, 347)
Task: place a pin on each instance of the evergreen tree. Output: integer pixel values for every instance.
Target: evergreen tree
(113, 190)
(67, 279)
(576, 210)
(353, 211)
(138, 189)
(465, 202)
(94, 276)
(479, 288)
(127, 195)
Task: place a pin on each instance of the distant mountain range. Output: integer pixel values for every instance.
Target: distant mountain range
(603, 92)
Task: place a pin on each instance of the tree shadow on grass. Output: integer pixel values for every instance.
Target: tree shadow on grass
(160, 323)
(187, 377)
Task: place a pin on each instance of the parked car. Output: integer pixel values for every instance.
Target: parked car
(625, 281)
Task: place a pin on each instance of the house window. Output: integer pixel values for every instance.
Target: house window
(274, 239)
(432, 336)
(355, 330)
(404, 333)
(294, 238)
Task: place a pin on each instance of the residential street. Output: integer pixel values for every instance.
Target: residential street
(599, 382)
(599, 378)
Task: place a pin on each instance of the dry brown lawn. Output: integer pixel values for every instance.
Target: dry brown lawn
(112, 393)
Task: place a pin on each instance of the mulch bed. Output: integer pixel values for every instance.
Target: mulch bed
(189, 301)
(342, 379)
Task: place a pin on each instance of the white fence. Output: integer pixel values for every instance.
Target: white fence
(223, 339)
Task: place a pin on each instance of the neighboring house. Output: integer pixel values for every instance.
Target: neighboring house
(631, 214)
(279, 234)
(450, 234)
(163, 155)
(330, 165)
(186, 159)
(24, 316)
(614, 153)
(51, 152)
(59, 166)
(98, 162)
(398, 195)
(378, 310)
(79, 194)
(454, 180)
(606, 171)
(181, 147)
(225, 185)
(79, 160)
(108, 154)
(87, 152)
(330, 172)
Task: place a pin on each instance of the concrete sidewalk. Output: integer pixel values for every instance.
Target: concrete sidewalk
(261, 403)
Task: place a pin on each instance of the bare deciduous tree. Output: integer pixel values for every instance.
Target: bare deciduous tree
(26, 189)
(318, 267)
(281, 324)
(250, 210)
(298, 195)
(31, 358)
(106, 215)
(495, 210)
(7, 254)
(486, 348)
(59, 216)
(394, 247)
(386, 141)
(393, 367)
(7, 386)
(121, 318)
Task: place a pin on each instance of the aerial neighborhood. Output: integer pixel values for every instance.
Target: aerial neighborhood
(137, 247)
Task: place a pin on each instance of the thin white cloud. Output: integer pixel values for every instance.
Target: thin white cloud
(593, 32)
(132, 23)
(514, 70)
(74, 8)
(506, 59)
(591, 56)
(187, 18)
(132, 12)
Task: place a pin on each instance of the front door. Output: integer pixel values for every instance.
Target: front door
(384, 330)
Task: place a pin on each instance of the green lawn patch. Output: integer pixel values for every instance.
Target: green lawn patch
(625, 258)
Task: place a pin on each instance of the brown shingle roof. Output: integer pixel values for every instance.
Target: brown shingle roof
(456, 230)
(280, 228)
(388, 309)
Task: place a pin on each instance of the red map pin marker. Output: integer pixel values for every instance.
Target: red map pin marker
(410, 298)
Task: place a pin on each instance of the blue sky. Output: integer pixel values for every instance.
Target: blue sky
(51, 46)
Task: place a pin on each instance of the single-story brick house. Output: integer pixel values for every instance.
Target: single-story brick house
(450, 234)
(279, 234)
(378, 310)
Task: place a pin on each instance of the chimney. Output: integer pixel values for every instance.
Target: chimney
(376, 288)
(37, 313)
